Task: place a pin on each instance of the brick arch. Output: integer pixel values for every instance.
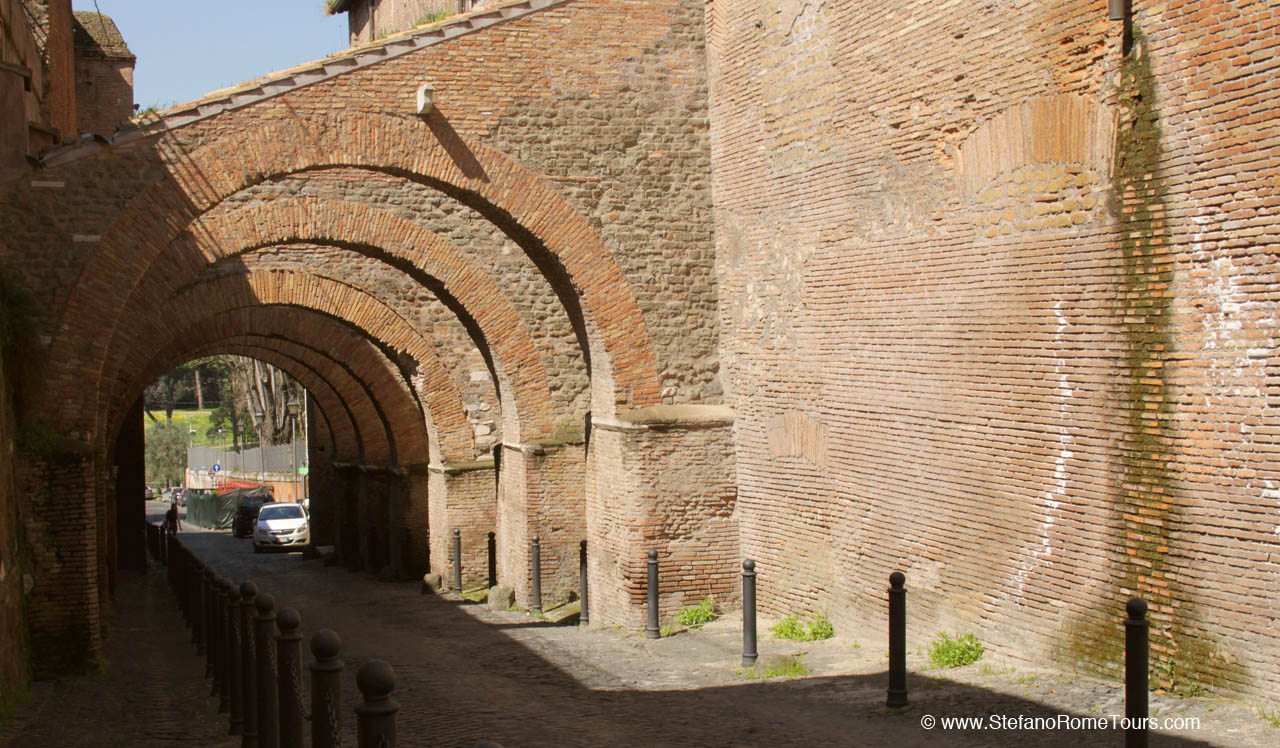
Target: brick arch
(493, 321)
(338, 377)
(343, 433)
(370, 434)
(357, 360)
(449, 432)
(623, 361)
(328, 297)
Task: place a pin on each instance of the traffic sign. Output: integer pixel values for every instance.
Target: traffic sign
(217, 468)
(303, 470)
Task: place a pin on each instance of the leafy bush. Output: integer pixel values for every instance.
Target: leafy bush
(948, 652)
(796, 630)
(693, 616)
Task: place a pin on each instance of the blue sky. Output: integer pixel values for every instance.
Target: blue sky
(186, 49)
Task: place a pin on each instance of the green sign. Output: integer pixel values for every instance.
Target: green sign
(303, 470)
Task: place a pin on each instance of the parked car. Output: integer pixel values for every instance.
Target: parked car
(281, 525)
(247, 510)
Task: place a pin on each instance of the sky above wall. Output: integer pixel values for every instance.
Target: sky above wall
(186, 49)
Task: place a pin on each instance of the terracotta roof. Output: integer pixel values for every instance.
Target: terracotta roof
(96, 35)
(284, 81)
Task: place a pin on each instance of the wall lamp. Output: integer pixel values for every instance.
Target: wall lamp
(1119, 10)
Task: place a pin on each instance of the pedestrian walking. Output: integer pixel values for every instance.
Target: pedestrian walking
(171, 522)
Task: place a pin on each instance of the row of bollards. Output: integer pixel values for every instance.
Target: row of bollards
(1136, 643)
(253, 657)
(535, 559)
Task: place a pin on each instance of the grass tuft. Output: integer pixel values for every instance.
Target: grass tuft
(819, 627)
(948, 652)
(694, 616)
(793, 668)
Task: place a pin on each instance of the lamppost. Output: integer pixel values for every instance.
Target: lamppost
(191, 444)
(258, 415)
(292, 405)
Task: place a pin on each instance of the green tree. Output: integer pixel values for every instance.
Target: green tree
(166, 453)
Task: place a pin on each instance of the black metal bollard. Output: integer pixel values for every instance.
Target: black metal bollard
(1135, 674)
(897, 640)
(493, 560)
(653, 631)
(457, 560)
(326, 690)
(235, 675)
(376, 717)
(268, 697)
(535, 551)
(289, 678)
(248, 665)
(749, 653)
(583, 618)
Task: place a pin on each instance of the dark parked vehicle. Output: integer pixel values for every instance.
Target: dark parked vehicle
(247, 510)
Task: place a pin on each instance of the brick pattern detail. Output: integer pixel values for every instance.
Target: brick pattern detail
(13, 627)
(333, 299)
(463, 499)
(1034, 414)
(666, 489)
(541, 495)
(223, 235)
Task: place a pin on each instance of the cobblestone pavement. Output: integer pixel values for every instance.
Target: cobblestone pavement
(466, 673)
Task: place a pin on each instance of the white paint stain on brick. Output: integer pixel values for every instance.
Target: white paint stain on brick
(1057, 492)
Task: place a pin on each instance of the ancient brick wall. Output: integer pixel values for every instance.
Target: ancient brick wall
(104, 75)
(13, 630)
(369, 20)
(104, 95)
(997, 312)
(663, 482)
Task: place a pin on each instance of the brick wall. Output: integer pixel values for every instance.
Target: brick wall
(372, 19)
(103, 74)
(13, 630)
(666, 484)
(997, 312)
(104, 95)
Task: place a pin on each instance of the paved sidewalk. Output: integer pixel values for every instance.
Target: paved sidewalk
(152, 695)
(466, 673)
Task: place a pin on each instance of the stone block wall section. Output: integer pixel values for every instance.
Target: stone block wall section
(998, 311)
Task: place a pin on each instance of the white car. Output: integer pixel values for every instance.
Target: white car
(281, 525)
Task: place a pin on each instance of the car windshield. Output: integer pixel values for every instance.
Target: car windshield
(289, 511)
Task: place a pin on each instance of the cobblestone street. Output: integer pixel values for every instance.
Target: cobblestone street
(466, 673)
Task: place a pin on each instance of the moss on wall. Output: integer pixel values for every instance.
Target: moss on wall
(1184, 655)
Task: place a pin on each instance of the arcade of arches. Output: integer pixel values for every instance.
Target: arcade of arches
(730, 278)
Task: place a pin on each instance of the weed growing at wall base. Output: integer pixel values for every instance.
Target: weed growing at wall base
(819, 627)
(694, 616)
(948, 652)
(792, 668)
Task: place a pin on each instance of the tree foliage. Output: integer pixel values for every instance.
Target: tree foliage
(166, 453)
